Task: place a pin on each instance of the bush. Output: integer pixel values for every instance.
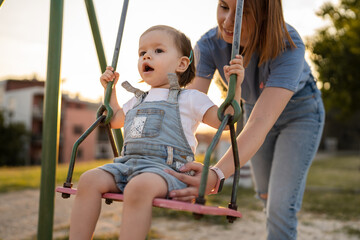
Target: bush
(12, 141)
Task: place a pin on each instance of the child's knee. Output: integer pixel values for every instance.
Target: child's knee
(143, 186)
(86, 179)
(92, 179)
(134, 187)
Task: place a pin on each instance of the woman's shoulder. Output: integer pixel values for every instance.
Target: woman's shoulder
(210, 34)
(211, 38)
(211, 43)
(292, 31)
(295, 36)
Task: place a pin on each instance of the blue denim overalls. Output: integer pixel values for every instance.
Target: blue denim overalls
(153, 139)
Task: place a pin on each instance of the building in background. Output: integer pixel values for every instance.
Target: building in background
(23, 101)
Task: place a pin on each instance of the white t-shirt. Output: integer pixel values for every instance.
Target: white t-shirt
(193, 104)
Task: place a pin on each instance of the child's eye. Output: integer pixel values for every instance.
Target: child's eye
(142, 53)
(158, 50)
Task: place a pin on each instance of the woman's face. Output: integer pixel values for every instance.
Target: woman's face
(226, 20)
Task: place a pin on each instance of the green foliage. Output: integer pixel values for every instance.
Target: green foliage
(336, 55)
(12, 141)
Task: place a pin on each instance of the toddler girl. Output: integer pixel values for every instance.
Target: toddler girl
(159, 133)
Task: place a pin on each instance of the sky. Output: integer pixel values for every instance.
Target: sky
(24, 29)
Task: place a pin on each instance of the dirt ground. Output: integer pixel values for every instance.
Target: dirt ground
(18, 221)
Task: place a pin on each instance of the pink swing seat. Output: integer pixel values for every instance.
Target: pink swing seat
(166, 203)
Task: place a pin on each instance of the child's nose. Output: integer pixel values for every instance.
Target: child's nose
(147, 56)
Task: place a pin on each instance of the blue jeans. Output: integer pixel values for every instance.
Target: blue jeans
(281, 165)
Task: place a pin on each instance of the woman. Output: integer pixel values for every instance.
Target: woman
(284, 113)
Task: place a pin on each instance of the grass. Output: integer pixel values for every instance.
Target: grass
(20, 178)
(336, 172)
(333, 191)
(333, 187)
(352, 231)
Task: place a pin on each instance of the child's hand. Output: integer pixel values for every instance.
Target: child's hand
(236, 67)
(108, 76)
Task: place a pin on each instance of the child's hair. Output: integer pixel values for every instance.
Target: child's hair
(183, 43)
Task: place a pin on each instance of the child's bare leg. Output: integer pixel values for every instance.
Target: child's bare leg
(87, 204)
(137, 209)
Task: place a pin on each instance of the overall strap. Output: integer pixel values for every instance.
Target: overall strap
(174, 88)
(139, 94)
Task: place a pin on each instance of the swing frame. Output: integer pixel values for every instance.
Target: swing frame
(198, 208)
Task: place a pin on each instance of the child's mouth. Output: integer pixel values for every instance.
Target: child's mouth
(147, 68)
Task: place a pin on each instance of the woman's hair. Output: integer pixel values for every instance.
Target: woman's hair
(183, 43)
(269, 35)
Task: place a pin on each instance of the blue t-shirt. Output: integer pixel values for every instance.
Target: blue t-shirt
(288, 70)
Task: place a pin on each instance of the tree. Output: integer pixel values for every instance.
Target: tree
(12, 141)
(336, 56)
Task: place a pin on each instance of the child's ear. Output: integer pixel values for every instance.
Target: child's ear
(183, 64)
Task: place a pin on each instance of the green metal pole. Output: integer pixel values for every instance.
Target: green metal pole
(96, 34)
(51, 123)
(1, 2)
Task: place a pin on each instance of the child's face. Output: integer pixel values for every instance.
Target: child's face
(158, 56)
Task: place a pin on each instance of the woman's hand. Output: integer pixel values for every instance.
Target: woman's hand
(192, 191)
(108, 76)
(236, 67)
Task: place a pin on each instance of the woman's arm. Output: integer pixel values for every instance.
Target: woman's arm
(267, 110)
